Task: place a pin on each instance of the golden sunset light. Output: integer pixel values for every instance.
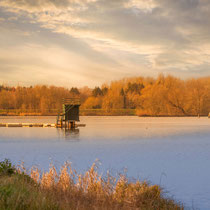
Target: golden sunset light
(104, 104)
(89, 42)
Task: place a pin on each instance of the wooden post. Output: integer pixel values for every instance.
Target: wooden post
(72, 125)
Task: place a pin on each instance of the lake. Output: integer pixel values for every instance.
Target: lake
(171, 152)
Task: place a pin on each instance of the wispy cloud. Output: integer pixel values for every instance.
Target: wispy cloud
(119, 37)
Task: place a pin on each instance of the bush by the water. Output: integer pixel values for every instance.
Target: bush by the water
(68, 189)
(6, 167)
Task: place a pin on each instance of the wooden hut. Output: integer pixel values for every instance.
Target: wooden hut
(70, 108)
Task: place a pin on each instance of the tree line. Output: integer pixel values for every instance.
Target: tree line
(161, 96)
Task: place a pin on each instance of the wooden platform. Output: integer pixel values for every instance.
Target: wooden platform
(76, 126)
(46, 125)
(27, 125)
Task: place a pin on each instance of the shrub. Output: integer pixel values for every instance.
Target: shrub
(6, 167)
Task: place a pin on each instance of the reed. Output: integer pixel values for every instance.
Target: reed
(67, 189)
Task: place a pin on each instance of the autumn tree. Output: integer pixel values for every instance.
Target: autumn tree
(74, 91)
(165, 95)
(97, 92)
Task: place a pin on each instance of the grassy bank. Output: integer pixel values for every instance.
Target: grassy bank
(67, 189)
(83, 112)
(89, 112)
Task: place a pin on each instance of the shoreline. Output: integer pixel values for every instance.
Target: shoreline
(94, 112)
(98, 115)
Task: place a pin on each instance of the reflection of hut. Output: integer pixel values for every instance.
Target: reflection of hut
(70, 113)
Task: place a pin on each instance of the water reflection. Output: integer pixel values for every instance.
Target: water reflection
(69, 134)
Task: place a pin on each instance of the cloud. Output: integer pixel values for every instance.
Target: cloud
(36, 63)
(151, 35)
(43, 5)
(143, 5)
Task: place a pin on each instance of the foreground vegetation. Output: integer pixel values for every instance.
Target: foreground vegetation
(162, 96)
(69, 190)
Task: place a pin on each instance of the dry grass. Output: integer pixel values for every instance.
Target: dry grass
(66, 189)
(92, 191)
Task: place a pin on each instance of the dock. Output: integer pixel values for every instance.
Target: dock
(27, 125)
(45, 125)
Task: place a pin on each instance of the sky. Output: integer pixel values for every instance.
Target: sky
(91, 42)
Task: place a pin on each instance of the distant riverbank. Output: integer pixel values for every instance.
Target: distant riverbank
(83, 112)
(86, 112)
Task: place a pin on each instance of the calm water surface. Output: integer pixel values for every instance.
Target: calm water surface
(172, 152)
